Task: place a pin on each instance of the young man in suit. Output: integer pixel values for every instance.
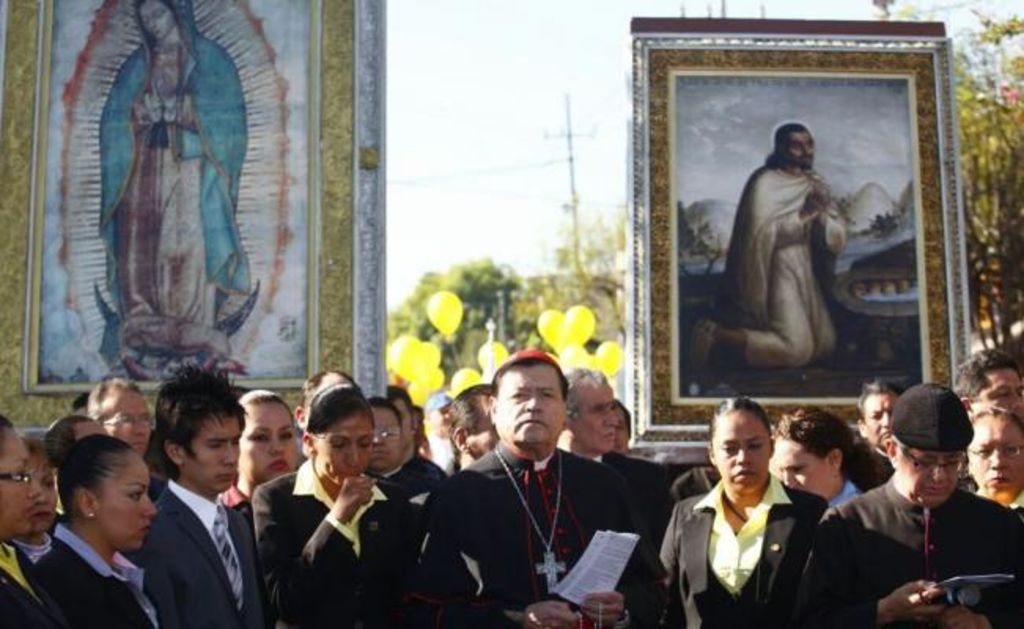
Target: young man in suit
(200, 555)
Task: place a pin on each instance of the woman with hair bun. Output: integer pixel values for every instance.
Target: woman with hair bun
(103, 486)
(815, 451)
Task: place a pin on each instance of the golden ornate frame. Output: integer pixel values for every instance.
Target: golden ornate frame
(331, 212)
(662, 415)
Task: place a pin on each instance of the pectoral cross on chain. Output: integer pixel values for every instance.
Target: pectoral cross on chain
(550, 568)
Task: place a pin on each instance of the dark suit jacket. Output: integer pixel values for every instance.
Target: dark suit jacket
(648, 491)
(19, 609)
(787, 542)
(313, 575)
(85, 597)
(185, 573)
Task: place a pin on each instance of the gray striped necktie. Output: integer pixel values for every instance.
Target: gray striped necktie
(227, 554)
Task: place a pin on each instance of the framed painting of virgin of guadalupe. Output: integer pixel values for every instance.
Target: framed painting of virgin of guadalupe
(175, 188)
(796, 220)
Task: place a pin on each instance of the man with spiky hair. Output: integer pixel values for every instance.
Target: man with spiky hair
(200, 555)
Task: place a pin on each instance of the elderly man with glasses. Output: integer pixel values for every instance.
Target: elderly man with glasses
(880, 559)
(121, 409)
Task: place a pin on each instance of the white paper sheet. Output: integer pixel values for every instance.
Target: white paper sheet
(600, 567)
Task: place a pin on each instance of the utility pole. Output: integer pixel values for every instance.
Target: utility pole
(882, 8)
(573, 205)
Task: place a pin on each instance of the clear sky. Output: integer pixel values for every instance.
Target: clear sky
(476, 105)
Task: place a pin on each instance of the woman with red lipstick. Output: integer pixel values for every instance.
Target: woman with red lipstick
(996, 457)
(102, 485)
(735, 555)
(267, 448)
(37, 541)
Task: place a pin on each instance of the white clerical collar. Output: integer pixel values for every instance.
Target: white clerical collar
(540, 466)
(204, 509)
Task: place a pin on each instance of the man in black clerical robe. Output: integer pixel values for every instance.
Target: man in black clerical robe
(483, 558)
(590, 431)
(876, 559)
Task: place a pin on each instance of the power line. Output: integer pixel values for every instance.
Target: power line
(496, 170)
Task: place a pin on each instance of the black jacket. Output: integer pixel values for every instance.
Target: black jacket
(85, 597)
(313, 575)
(787, 542)
(18, 608)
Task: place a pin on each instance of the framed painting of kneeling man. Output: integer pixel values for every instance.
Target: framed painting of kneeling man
(796, 223)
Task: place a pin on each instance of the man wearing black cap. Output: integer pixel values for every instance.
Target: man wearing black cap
(877, 559)
(504, 530)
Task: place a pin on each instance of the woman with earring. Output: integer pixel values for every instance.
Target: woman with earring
(102, 485)
(735, 554)
(23, 601)
(815, 451)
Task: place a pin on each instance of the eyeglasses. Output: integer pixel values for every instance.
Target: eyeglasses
(384, 435)
(123, 419)
(1005, 452)
(17, 477)
(335, 443)
(948, 466)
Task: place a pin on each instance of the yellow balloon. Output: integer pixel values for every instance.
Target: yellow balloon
(483, 356)
(579, 325)
(609, 358)
(463, 379)
(404, 355)
(435, 379)
(418, 393)
(444, 309)
(430, 354)
(549, 324)
(574, 356)
(428, 358)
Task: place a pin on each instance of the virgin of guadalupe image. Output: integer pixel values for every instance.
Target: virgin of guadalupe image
(173, 139)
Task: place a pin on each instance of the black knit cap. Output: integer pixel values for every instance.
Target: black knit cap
(931, 417)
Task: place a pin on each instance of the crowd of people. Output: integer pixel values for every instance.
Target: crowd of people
(225, 508)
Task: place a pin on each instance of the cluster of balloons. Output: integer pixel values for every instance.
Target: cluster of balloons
(567, 332)
(468, 376)
(418, 363)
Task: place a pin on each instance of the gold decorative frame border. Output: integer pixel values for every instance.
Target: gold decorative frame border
(331, 257)
(661, 420)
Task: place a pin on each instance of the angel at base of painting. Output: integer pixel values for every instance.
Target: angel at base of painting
(772, 308)
(173, 140)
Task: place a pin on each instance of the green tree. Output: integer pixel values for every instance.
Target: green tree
(482, 286)
(492, 291)
(990, 79)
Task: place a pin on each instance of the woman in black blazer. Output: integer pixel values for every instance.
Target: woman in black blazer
(103, 486)
(335, 544)
(735, 555)
(23, 602)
